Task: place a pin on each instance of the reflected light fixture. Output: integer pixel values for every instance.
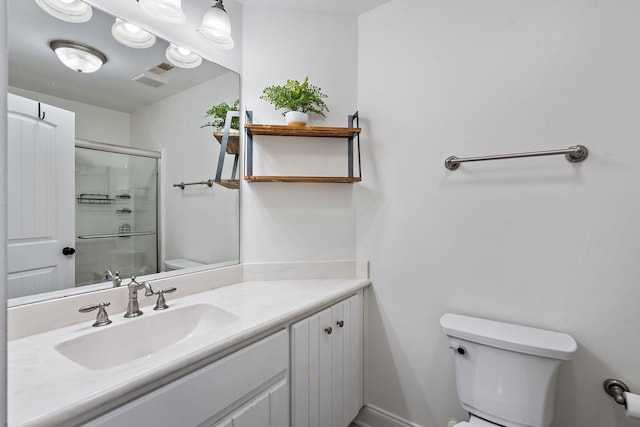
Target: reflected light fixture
(77, 56)
(164, 10)
(216, 26)
(131, 35)
(181, 57)
(75, 11)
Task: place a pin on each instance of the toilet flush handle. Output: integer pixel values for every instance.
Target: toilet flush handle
(459, 349)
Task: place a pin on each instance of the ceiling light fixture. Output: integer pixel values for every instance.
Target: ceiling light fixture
(164, 10)
(131, 35)
(181, 57)
(77, 56)
(216, 26)
(75, 11)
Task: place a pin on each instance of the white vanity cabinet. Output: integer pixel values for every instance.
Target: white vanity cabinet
(247, 388)
(327, 366)
(269, 408)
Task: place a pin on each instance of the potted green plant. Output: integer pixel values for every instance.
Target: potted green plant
(219, 115)
(297, 99)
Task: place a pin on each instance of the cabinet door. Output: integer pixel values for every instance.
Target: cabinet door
(269, 409)
(338, 368)
(350, 359)
(327, 366)
(311, 371)
(347, 360)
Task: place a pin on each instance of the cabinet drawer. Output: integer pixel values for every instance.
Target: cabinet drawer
(268, 409)
(201, 395)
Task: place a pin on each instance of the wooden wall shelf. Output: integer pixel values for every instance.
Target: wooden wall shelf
(229, 140)
(351, 133)
(330, 179)
(233, 143)
(232, 184)
(313, 131)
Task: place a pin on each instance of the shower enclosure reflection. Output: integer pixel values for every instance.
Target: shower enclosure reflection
(116, 214)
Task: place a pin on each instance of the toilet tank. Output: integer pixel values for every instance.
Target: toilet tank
(506, 373)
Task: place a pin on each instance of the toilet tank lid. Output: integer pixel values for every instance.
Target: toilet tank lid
(522, 339)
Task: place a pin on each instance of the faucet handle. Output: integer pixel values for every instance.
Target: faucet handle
(102, 318)
(161, 304)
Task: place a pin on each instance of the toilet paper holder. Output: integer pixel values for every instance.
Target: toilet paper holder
(616, 389)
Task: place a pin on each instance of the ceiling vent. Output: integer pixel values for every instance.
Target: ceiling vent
(160, 68)
(149, 80)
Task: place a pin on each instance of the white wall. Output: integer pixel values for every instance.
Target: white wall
(3, 216)
(292, 221)
(198, 223)
(539, 241)
(92, 123)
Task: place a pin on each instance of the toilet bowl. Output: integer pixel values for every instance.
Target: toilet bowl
(505, 373)
(180, 263)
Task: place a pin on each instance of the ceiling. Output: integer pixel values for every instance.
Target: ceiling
(33, 65)
(346, 7)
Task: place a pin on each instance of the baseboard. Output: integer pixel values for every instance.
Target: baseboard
(370, 416)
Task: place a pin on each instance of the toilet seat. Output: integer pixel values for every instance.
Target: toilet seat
(180, 263)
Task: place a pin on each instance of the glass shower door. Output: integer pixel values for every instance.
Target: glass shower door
(116, 215)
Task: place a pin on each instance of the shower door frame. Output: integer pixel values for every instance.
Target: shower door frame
(140, 152)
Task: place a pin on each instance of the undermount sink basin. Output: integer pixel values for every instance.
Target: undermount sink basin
(133, 339)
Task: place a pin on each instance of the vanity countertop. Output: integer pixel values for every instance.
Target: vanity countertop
(45, 388)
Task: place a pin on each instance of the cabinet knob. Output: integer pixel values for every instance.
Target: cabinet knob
(340, 323)
(68, 251)
(328, 330)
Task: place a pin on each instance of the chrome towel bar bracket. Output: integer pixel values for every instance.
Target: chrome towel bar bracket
(574, 154)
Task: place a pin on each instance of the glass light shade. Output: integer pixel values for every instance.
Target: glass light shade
(75, 11)
(78, 57)
(216, 27)
(181, 57)
(164, 10)
(131, 35)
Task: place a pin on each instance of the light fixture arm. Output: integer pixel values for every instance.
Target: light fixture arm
(219, 5)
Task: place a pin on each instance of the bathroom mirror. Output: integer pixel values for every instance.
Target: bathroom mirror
(135, 104)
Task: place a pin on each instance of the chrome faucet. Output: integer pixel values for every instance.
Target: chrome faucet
(114, 277)
(133, 310)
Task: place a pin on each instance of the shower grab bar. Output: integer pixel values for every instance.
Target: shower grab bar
(574, 154)
(208, 183)
(104, 236)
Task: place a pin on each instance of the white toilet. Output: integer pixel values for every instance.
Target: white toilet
(506, 374)
(180, 263)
